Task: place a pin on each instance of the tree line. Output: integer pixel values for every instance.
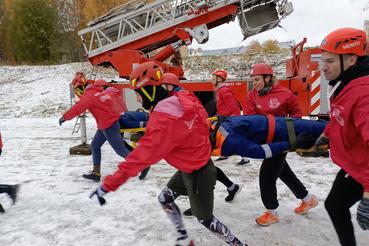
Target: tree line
(46, 31)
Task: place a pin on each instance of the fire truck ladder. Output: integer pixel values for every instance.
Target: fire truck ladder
(141, 26)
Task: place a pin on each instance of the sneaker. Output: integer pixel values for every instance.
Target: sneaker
(144, 173)
(94, 176)
(221, 159)
(243, 162)
(267, 219)
(186, 242)
(1, 209)
(13, 192)
(306, 206)
(188, 213)
(232, 194)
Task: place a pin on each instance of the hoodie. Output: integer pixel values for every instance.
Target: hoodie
(105, 106)
(348, 129)
(177, 131)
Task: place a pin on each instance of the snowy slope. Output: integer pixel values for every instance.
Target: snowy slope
(54, 206)
(43, 91)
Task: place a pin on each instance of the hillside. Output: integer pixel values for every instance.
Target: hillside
(43, 91)
(201, 67)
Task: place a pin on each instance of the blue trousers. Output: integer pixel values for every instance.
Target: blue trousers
(113, 136)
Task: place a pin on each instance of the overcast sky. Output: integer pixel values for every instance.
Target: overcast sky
(313, 19)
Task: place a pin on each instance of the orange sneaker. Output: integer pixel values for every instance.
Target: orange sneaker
(267, 219)
(306, 206)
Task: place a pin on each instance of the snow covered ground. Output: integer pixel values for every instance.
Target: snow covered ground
(54, 208)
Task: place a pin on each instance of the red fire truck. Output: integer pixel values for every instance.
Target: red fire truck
(124, 37)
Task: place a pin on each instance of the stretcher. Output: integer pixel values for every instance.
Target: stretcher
(302, 152)
(133, 130)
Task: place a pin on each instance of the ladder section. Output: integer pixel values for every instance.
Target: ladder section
(135, 20)
(259, 16)
(125, 26)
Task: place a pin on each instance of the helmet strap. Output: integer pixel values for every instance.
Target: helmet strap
(264, 78)
(217, 81)
(81, 90)
(151, 98)
(166, 86)
(341, 61)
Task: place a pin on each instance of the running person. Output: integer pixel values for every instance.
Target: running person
(181, 137)
(268, 98)
(11, 190)
(171, 84)
(346, 67)
(106, 107)
(227, 104)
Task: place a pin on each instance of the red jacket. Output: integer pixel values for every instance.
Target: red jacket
(227, 103)
(1, 143)
(105, 106)
(177, 131)
(348, 130)
(278, 102)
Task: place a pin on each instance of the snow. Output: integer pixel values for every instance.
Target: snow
(54, 208)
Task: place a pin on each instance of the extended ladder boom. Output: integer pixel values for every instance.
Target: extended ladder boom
(137, 27)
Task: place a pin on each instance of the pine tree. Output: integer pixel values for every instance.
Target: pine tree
(6, 52)
(34, 31)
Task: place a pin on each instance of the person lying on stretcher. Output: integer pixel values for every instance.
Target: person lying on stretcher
(261, 137)
(133, 119)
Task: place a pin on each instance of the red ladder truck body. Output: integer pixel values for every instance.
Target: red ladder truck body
(123, 38)
(306, 80)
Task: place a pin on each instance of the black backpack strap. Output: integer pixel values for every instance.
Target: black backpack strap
(291, 133)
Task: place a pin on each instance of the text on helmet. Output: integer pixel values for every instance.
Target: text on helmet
(348, 46)
(144, 81)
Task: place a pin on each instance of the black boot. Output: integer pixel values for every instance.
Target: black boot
(13, 192)
(1, 209)
(188, 213)
(144, 173)
(94, 176)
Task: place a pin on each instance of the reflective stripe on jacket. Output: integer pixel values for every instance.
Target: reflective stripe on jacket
(246, 135)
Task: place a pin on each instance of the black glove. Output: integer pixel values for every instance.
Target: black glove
(61, 120)
(135, 137)
(99, 192)
(304, 141)
(319, 142)
(362, 215)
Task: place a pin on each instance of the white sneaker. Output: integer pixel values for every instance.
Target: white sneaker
(185, 242)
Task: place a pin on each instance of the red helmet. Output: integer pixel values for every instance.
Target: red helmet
(79, 80)
(221, 73)
(261, 68)
(147, 73)
(170, 78)
(100, 82)
(345, 41)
